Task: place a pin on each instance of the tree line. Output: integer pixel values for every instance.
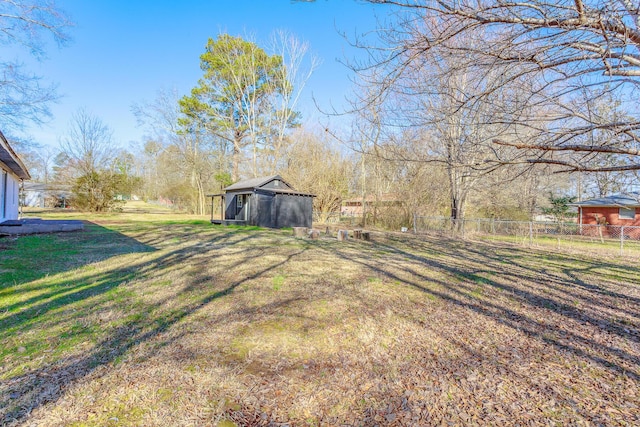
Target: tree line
(461, 108)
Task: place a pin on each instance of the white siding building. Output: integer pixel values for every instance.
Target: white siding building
(12, 173)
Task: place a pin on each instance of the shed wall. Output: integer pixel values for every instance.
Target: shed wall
(293, 211)
(270, 209)
(230, 206)
(263, 215)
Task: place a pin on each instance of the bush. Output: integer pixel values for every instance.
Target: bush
(97, 191)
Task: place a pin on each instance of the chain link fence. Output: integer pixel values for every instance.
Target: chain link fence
(613, 239)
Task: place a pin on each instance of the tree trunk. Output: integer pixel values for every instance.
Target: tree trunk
(201, 201)
(458, 194)
(235, 174)
(364, 193)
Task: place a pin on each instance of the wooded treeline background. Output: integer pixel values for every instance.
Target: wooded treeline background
(463, 109)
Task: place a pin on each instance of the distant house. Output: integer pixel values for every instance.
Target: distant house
(265, 202)
(354, 207)
(613, 216)
(39, 195)
(618, 209)
(12, 173)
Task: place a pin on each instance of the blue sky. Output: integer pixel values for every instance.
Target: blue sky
(124, 51)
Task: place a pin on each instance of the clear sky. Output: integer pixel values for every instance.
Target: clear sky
(124, 51)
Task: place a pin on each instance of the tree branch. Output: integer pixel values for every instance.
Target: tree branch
(575, 148)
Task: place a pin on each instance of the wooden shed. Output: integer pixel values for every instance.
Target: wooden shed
(266, 202)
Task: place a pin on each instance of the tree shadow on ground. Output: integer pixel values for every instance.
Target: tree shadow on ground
(31, 258)
(495, 284)
(54, 253)
(526, 287)
(23, 393)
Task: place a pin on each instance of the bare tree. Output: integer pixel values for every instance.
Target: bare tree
(38, 158)
(367, 140)
(316, 166)
(570, 51)
(101, 174)
(298, 66)
(23, 96)
(605, 109)
(42, 162)
(88, 143)
(183, 146)
(455, 105)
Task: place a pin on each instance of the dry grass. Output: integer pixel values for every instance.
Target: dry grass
(157, 320)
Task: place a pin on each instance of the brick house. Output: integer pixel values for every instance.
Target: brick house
(612, 213)
(618, 209)
(354, 207)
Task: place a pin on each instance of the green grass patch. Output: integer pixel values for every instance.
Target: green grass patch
(278, 281)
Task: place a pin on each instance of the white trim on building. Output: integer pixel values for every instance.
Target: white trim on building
(12, 173)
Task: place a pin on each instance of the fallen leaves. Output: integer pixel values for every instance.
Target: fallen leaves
(395, 332)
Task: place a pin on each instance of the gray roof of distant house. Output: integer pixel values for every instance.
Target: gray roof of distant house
(622, 200)
(40, 187)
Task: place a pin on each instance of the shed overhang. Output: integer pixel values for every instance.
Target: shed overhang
(272, 191)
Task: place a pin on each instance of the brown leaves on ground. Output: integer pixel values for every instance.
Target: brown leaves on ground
(257, 328)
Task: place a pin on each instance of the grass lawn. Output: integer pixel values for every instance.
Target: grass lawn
(572, 244)
(153, 319)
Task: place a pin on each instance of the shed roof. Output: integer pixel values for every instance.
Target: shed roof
(254, 183)
(284, 191)
(11, 159)
(622, 200)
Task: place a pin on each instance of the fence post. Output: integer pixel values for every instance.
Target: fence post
(415, 229)
(622, 240)
(530, 233)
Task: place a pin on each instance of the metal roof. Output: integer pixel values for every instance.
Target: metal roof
(254, 183)
(11, 159)
(249, 186)
(284, 191)
(265, 190)
(622, 200)
(48, 188)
